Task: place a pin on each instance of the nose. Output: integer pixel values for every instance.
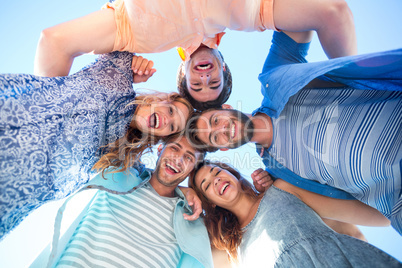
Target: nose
(205, 78)
(217, 180)
(220, 127)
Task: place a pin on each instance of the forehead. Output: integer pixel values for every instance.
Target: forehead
(205, 117)
(184, 145)
(181, 107)
(202, 173)
(206, 94)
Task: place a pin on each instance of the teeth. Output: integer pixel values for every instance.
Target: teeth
(157, 121)
(204, 67)
(223, 188)
(233, 131)
(173, 168)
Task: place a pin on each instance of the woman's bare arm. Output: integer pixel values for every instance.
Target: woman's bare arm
(350, 211)
(345, 228)
(60, 44)
(331, 19)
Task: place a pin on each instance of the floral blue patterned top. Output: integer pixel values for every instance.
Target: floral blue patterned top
(51, 130)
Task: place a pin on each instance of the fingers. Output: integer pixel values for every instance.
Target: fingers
(142, 69)
(261, 179)
(262, 152)
(142, 66)
(197, 210)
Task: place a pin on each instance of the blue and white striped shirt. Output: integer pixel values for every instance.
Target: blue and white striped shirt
(349, 139)
(131, 230)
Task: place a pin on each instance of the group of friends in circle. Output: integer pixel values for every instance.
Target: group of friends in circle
(61, 133)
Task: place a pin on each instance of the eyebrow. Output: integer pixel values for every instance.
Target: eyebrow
(191, 153)
(215, 88)
(210, 124)
(196, 89)
(177, 111)
(202, 182)
(187, 151)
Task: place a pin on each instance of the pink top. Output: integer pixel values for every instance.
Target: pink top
(158, 25)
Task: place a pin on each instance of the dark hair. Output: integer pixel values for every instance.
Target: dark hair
(201, 106)
(223, 227)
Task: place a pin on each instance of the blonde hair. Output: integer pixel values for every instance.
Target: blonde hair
(124, 152)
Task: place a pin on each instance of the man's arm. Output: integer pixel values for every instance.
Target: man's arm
(60, 44)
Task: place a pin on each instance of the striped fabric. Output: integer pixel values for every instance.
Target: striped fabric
(134, 230)
(349, 139)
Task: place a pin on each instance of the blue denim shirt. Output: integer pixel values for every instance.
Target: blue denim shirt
(286, 72)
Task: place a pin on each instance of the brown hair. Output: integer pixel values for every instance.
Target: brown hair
(201, 106)
(124, 152)
(223, 227)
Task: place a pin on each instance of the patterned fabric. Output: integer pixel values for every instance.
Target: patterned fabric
(132, 230)
(285, 232)
(51, 130)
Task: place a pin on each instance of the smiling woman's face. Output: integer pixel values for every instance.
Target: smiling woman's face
(218, 185)
(204, 74)
(162, 118)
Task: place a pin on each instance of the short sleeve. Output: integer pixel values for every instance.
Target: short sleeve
(284, 50)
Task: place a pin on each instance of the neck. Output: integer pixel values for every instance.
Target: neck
(263, 131)
(162, 190)
(245, 209)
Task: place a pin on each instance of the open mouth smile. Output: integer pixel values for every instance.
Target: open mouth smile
(204, 66)
(172, 169)
(224, 187)
(154, 121)
(233, 131)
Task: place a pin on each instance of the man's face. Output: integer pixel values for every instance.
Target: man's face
(176, 160)
(204, 74)
(224, 128)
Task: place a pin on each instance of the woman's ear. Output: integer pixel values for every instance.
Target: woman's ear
(227, 106)
(213, 205)
(224, 66)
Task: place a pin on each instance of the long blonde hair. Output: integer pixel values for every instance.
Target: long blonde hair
(223, 227)
(124, 152)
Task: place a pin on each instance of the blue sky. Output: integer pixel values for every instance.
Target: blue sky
(378, 27)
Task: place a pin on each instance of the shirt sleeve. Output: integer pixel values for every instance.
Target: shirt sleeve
(284, 50)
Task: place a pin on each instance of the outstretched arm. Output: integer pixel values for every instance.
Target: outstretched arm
(60, 44)
(350, 211)
(345, 228)
(331, 19)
